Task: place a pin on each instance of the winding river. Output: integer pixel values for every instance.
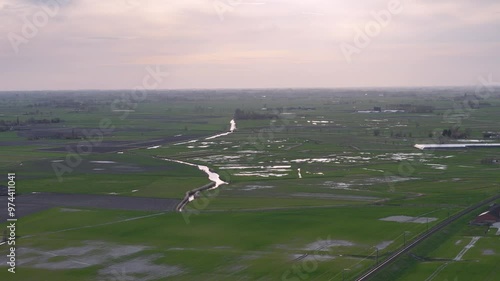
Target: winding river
(212, 176)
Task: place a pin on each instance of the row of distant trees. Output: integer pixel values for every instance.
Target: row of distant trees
(490, 160)
(411, 108)
(457, 133)
(6, 125)
(399, 134)
(240, 114)
(452, 133)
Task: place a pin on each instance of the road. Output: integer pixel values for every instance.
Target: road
(371, 273)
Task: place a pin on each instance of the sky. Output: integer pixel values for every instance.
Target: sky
(109, 44)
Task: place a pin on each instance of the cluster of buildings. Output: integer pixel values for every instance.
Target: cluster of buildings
(489, 217)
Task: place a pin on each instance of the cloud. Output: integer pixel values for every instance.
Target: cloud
(95, 43)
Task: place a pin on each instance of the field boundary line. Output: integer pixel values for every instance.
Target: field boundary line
(371, 272)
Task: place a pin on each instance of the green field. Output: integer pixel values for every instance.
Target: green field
(271, 221)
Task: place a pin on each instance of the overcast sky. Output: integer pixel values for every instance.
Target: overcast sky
(107, 44)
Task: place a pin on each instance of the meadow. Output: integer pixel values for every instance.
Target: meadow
(309, 175)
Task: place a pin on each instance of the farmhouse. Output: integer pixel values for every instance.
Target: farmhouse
(489, 217)
(491, 135)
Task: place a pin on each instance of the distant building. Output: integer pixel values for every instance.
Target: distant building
(491, 135)
(489, 217)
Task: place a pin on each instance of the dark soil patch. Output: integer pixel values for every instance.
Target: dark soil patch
(32, 203)
(115, 146)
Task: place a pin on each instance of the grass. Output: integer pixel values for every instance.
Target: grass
(253, 233)
(435, 256)
(269, 235)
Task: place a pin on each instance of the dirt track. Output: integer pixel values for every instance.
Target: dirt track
(115, 146)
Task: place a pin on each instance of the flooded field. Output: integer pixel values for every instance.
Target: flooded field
(115, 261)
(405, 219)
(298, 179)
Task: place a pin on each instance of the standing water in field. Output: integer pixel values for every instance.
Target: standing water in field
(231, 130)
(212, 176)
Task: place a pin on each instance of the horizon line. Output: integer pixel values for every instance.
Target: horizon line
(256, 88)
